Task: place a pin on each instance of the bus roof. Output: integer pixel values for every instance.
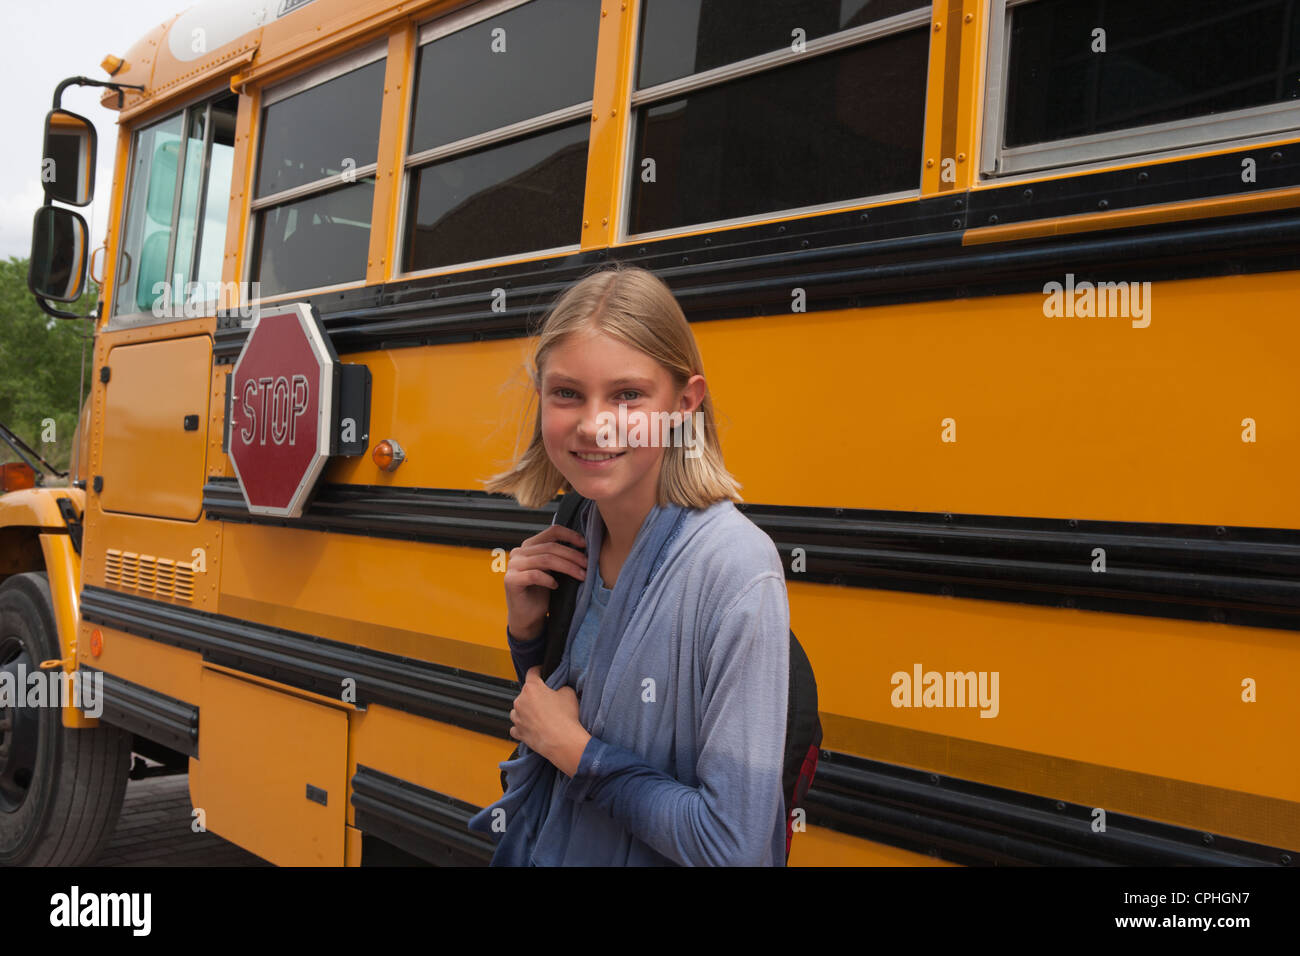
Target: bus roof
(218, 37)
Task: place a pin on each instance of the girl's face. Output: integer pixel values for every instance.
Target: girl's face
(589, 373)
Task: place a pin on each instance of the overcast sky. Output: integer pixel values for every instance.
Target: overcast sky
(46, 42)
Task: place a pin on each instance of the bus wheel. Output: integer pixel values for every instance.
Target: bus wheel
(60, 789)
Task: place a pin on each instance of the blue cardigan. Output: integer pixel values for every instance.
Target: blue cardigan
(687, 709)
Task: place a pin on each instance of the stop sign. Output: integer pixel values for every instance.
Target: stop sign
(281, 405)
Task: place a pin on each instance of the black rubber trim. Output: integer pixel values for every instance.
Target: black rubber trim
(1229, 575)
(909, 252)
(1232, 575)
(976, 824)
(943, 817)
(953, 819)
(72, 520)
(147, 713)
(443, 516)
(473, 701)
(1200, 177)
(428, 824)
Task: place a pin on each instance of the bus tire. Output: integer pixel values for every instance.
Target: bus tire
(61, 789)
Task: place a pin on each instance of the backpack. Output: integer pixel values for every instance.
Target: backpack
(803, 729)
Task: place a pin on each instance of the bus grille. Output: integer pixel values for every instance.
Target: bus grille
(163, 577)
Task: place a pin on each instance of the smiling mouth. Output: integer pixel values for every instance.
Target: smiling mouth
(601, 456)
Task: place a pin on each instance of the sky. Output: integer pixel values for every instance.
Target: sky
(48, 41)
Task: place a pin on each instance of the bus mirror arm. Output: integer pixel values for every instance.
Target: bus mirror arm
(59, 313)
(121, 88)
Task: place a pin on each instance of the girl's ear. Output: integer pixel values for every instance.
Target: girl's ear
(693, 393)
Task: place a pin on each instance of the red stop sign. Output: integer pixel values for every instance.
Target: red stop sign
(281, 404)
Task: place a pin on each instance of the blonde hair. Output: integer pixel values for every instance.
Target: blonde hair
(635, 307)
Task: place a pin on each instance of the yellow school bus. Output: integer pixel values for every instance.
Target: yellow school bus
(998, 304)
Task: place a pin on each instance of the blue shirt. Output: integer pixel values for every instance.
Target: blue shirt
(580, 653)
(684, 764)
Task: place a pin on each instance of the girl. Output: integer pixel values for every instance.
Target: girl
(659, 737)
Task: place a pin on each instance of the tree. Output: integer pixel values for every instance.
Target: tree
(41, 366)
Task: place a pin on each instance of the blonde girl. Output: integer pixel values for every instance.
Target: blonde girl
(659, 737)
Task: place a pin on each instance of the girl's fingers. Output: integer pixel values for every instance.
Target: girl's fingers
(556, 547)
(557, 532)
(553, 557)
(560, 550)
(542, 579)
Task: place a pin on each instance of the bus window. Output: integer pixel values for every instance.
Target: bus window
(188, 212)
(725, 33)
(498, 167)
(216, 200)
(832, 116)
(315, 178)
(321, 240)
(1091, 81)
(147, 236)
(176, 209)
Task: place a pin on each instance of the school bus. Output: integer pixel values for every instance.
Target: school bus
(996, 299)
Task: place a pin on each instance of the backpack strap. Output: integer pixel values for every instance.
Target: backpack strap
(803, 736)
(564, 599)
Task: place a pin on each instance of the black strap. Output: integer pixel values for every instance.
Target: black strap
(564, 599)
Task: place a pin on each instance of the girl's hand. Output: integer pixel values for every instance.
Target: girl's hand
(547, 721)
(529, 586)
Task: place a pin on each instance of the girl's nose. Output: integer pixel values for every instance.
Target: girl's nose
(587, 424)
(590, 423)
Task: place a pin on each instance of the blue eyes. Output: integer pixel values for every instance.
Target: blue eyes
(630, 391)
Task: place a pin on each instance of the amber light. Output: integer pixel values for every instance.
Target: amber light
(96, 642)
(388, 455)
(16, 475)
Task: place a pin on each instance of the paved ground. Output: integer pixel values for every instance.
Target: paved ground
(154, 830)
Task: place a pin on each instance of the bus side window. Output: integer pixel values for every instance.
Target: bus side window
(1085, 81)
(497, 159)
(746, 109)
(175, 225)
(315, 178)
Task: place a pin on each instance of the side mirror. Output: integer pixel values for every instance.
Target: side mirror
(68, 161)
(57, 269)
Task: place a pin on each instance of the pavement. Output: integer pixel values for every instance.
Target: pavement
(154, 830)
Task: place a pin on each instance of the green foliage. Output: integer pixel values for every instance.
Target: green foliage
(40, 366)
